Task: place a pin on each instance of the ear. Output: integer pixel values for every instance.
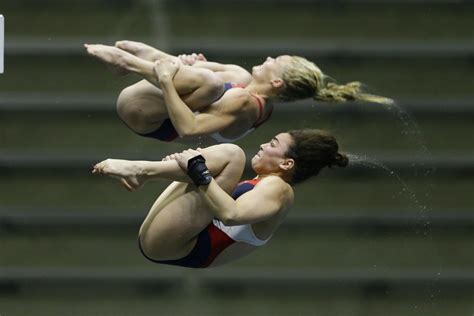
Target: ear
(287, 164)
(277, 83)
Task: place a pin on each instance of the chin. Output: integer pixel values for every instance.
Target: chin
(255, 165)
(253, 162)
(256, 70)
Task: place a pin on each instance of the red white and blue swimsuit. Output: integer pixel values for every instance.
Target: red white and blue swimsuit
(218, 238)
(167, 133)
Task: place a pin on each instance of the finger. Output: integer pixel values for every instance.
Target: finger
(98, 168)
(126, 185)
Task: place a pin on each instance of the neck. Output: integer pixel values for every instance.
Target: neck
(264, 90)
(283, 176)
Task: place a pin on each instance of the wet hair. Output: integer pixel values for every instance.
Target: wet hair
(303, 79)
(312, 150)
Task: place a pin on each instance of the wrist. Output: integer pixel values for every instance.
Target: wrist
(198, 171)
(165, 80)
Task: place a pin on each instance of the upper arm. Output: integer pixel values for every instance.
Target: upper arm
(218, 116)
(268, 198)
(208, 123)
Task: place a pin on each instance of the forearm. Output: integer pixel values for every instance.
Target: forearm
(181, 116)
(219, 203)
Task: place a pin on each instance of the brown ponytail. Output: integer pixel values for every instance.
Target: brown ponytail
(313, 150)
(340, 160)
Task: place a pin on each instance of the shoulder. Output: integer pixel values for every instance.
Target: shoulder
(277, 187)
(245, 76)
(234, 100)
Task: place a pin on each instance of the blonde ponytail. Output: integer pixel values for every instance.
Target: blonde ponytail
(303, 79)
(349, 92)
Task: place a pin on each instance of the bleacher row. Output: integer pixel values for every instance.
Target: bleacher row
(365, 240)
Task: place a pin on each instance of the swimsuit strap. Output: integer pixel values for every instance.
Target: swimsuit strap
(253, 181)
(261, 108)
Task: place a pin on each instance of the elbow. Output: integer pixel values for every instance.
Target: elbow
(187, 132)
(229, 220)
(187, 129)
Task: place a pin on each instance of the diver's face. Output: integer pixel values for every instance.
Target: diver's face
(271, 158)
(272, 68)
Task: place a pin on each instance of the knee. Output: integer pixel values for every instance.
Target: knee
(129, 111)
(151, 248)
(145, 247)
(233, 152)
(208, 81)
(213, 84)
(155, 248)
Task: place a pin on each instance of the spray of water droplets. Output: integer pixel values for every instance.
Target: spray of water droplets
(372, 163)
(412, 131)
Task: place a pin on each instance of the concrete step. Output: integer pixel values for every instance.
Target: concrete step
(318, 249)
(78, 188)
(308, 20)
(103, 132)
(357, 20)
(273, 300)
(396, 78)
(15, 219)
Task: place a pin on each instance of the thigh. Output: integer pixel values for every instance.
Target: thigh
(142, 107)
(171, 228)
(179, 214)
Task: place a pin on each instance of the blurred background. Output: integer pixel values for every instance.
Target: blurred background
(391, 234)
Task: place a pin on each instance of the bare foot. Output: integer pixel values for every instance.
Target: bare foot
(128, 172)
(139, 49)
(111, 56)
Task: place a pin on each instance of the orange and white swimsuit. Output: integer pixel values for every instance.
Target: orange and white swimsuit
(218, 243)
(166, 132)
